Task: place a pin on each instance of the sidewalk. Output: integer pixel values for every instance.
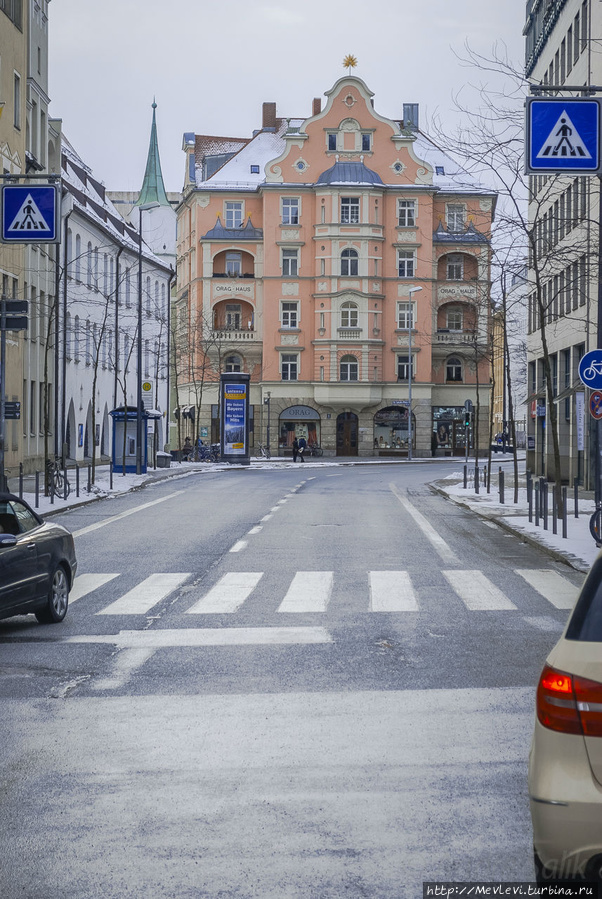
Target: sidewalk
(578, 550)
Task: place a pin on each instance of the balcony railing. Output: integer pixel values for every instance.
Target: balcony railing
(233, 275)
(349, 333)
(233, 334)
(445, 335)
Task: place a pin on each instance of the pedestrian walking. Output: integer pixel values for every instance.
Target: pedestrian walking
(295, 449)
(302, 448)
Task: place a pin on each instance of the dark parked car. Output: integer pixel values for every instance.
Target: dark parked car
(37, 563)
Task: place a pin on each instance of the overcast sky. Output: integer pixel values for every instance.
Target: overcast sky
(211, 65)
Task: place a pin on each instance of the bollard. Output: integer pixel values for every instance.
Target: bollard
(77, 480)
(20, 480)
(476, 478)
(89, 478)
(111, 474)
(530, 494)
(554, 511)
(487, 471)
(501, 483)
(537, 505)
(465, 476)
(51, 492)
(37, 490)
(545, 505)
(564, 513)
(576, 487)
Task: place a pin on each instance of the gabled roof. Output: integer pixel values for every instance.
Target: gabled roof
(244, 169)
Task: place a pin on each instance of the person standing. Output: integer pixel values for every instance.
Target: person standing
(302, 448)
(295, 449)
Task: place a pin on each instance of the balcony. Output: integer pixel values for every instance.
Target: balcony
(233, 335)
(450, 337)
(349, 333)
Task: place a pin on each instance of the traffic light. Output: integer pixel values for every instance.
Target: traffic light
(467, 418)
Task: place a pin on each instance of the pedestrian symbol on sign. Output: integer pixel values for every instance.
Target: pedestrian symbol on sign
(563, 140)
(29, 217)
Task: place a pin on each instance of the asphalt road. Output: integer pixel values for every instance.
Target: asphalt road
(313, 682)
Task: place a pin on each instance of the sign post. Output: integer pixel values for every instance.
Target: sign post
(563, 136)
(234, 396)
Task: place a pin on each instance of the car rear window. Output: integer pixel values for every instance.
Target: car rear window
(586, 620)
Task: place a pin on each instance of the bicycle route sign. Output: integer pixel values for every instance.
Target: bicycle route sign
(590, 369)
(563, 136)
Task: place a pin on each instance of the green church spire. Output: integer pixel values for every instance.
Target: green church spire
(153, 188)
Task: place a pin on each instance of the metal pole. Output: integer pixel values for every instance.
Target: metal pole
(139, 355)
(576, 488)
(564, 513)
(269, 397)
(37, 490)
(3, 485)
(410, 323)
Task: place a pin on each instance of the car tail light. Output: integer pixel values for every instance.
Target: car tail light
(569, 704)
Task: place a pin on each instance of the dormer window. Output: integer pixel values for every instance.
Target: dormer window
(254, 169)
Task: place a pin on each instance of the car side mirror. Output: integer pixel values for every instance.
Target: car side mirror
(7, 540)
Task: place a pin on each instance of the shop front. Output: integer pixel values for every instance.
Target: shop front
(391, 431)
(298, 421)
(449, 432)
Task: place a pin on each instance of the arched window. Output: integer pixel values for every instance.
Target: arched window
(148, 295)
(88, 343)
(89, 265)
(349, 262)
(69, 335)
(69, 247)
(233, 363)
(163, 300)
(105, 275)
(349, 315)
(76, 339)
(157, 310)
(78, 253)
(453, 369)
(349, 370)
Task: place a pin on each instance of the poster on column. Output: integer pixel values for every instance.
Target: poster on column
(235, 418)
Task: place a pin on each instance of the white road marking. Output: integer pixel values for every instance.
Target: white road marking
(392, 591)
(86, 583)
(145, 595)
(551, 585)
(446, 553)
(238, 546)
(126, 662)
(256, 529)
(228, 594)
(309, 592)
(266, 517)
(477, 592)
(113, 518)
(218, 636)
(275, 509)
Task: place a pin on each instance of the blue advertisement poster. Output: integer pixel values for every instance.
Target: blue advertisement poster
(235, 424)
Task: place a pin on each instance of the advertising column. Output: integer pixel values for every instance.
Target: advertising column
(234, 396)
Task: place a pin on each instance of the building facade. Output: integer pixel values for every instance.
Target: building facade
(344, 262)
(564, 214)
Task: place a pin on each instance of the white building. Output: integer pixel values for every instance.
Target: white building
(104, 279)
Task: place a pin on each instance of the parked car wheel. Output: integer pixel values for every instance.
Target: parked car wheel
(58, 599)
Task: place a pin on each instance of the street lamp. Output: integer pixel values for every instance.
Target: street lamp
(266, 401)
(139, 430)
(412, 291)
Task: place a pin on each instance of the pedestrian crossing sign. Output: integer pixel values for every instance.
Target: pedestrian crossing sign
(30, 213)
(563, 136)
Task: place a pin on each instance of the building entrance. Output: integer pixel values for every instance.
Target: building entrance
(347, 433)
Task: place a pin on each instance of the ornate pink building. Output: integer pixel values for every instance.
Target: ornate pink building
(321, 255)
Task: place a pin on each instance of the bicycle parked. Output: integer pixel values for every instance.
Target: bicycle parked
(263, 451)
(207, 453)
(315, 450)
(56, 482)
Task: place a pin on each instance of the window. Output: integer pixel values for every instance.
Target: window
(349, 262)
(456, 214)
(89, 265)
(254, 169)
(406, 213)
(290, 210)
(454, 319)
(233, 265)
(403, 368)
(78, 253)
(289, 363)
(76, 339)
(332, 141)
(350, 210)
(32, 408)
(290, 263)
(349, 369)
(455, 267)
(233, 215)
(105, 275)
(406, 263)
(17, 101)
(289, 314)
(233, 316)
(349, 315)
(233, 363)
(453, 369)
(366, 142)
(405, 315)
(68, 351)
(128, 288)
(148, 295)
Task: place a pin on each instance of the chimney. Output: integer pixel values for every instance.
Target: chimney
(410, 116)
(316, 107)
(269, 115)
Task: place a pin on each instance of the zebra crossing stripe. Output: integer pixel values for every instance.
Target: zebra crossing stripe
(228, 594)
(392, 591)
(145, 595)
(477, 592)
(551, 585)
(309, 591)
(86, 583)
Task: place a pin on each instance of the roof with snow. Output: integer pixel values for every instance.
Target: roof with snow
(349, 173)
(245, 232)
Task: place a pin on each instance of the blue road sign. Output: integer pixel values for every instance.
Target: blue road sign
(30, 213)
(563, 136)
(590, 369)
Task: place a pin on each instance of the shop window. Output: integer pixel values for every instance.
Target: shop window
(349, 315)
(349, 369)
(453, 369)
(391, 429)
(233, 363)
(455, 267)
(349, 262)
